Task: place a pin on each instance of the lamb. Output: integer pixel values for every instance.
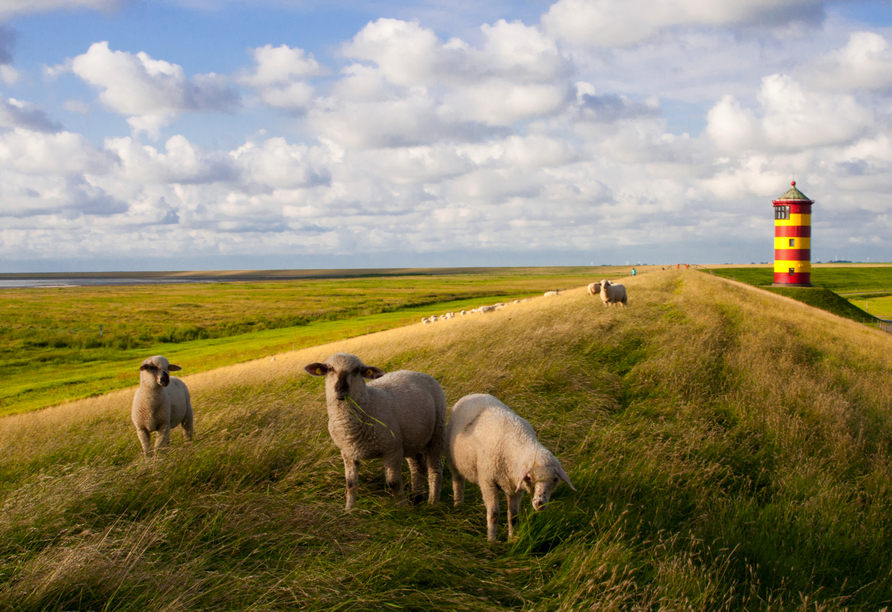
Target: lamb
(610, 293)
(396, 415)
(490, 445)
(160, 404)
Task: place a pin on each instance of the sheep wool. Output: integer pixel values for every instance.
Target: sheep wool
(394, 415)
(610, 293)
(160, 404)
(490, 445)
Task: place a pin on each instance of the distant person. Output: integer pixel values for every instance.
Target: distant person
(634, 271)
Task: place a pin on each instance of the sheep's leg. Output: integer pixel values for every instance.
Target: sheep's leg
(188, 428)
(434, 478)
(145, 439)
(491, 501)
(393, 474)
(163, 438)
(458, 488)
(351, 475)
(513, 512)
(417, 469)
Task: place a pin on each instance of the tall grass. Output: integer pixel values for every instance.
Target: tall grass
(730, 450)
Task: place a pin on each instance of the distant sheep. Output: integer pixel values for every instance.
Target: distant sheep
(490, 445)
(552, 293)
(610, 293)
(395, 415)
(425, 320)
(485, 309)
(160, 404)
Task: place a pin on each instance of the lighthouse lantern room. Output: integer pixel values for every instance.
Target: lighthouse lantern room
(792, 239)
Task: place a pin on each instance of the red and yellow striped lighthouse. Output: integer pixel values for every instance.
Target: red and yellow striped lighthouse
(792, 238)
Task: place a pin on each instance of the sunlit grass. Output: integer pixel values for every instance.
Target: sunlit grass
(53, 349)
(730, 450)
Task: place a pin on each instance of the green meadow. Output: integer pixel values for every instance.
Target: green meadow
(845, 291)
(52, 349)
(730, 449)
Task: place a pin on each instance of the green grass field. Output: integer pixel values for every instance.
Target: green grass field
(857, 284)
(51, 349)
(730, 451)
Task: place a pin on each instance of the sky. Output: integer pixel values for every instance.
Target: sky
(280, 134)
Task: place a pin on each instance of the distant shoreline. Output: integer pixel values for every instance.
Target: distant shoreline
(26, 280)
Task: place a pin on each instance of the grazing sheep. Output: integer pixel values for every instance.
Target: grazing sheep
(552, 293)
(425, 320)
(610, 293)
(395, 415)
(464, 312)
(485, 309)
(160, 403)
(490, 445)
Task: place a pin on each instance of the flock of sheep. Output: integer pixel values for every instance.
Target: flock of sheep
(478, 310)
(396, 415)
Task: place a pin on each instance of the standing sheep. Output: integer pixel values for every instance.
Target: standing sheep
(490, 445)
(610, 293)
(395, 415)
(160, 403)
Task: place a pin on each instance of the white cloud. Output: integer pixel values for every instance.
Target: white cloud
(617, 23)
(60, 153)
(731, 127)
(412, 89)
(180, 162)
(279, 74)
(791, 119)
(151, 92)
(864, 63)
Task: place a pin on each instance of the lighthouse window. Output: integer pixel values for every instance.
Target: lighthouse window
(792, 271)
(792, 242)
(781, 212)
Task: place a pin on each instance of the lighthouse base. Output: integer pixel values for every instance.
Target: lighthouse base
(792, 279)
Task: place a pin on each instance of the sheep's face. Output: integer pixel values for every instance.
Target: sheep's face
(345, 375)
(157, 370)
(541, 481)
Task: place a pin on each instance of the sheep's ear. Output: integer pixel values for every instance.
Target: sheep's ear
(173, 368)
(563, 476)
(317, 369)
(143, 367)
(524, 476)
(371, 372)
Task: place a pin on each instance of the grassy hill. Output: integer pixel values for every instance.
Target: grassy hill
(731, 450)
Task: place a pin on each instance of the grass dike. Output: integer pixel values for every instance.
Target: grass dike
(730, 450)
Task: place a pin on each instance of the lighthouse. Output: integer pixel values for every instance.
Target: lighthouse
(792, 239)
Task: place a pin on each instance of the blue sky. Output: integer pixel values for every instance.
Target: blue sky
(277, 134)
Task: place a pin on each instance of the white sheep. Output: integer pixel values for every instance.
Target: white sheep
(552, 293)
(490, 445)
(610, 293)
(160, 404)
(395, 415)
(425, 320)
(485, 309)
